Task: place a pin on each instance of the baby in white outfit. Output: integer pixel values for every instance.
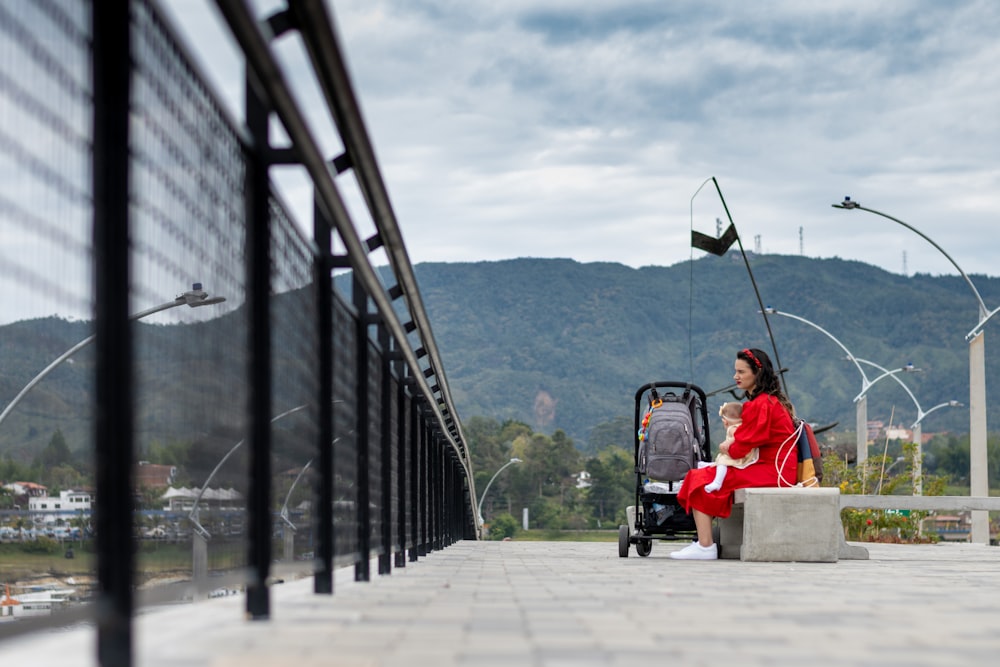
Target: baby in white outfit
(732, 416)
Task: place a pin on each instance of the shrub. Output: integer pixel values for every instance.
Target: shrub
(41, 545)
(502, 525)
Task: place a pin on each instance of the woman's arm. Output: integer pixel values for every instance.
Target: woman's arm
(755, 429)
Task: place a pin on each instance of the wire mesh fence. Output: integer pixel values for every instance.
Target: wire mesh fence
(364, 460)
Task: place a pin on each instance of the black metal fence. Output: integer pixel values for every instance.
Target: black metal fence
(290, 404)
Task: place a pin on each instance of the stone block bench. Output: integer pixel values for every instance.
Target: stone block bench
(783, 525)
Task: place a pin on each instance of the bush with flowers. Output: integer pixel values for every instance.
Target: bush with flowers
(871, 478)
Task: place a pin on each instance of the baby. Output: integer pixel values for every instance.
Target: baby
(731, 414)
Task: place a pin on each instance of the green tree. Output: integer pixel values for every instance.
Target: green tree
(62, 477)
(491, 444)
(55, 453)
(618, 432)
(612, 483)
(20, 523)
(551, 464)
(172, 453)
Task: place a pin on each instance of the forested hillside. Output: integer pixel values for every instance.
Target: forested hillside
(561, 345)
(564, 345)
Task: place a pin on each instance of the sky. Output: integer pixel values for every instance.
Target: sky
(588, 129)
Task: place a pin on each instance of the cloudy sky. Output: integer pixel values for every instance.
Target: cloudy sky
(586, 129)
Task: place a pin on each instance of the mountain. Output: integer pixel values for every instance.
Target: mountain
(565, 345)
(557, 344)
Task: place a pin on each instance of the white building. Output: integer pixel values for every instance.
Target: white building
(69, 503)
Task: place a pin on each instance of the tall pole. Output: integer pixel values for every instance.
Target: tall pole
(861, 424)
(979, 484)
(978, 478)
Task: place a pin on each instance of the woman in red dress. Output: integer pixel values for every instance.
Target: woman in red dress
(768, 427)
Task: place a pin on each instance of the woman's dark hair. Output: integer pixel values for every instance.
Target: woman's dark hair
(765, 381)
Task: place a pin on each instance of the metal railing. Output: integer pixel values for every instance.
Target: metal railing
(317, 366)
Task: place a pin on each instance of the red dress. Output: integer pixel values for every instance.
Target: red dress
(766, 426)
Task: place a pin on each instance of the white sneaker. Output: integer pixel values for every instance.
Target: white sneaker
(695, 551)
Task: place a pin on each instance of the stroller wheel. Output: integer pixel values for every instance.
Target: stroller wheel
(623, 541)
(643, 547)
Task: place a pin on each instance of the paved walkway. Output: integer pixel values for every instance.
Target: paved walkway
(566, 603)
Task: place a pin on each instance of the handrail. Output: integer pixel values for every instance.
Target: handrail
(268, 74)
(315, 25)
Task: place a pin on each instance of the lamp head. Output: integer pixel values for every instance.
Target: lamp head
(197, 296)
(847, 203)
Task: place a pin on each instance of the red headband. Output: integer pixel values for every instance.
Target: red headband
(755, 360)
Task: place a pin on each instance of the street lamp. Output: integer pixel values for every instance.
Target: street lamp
(195, 297)
(483, 497)
(199, 529)
(978, 475)
(909, 368)
(917, 431)
(862, 398)
(861, 420)
(899, 459)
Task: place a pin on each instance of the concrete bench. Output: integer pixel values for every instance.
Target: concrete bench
(784, 525)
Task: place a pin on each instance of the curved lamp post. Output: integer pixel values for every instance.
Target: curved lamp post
(194, 298)
(483, 497)
(193, 514)
(978, 480)
(909, 368)
(917, 431)
(861, 420)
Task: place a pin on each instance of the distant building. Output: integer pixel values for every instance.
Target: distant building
(899, 433)
(874, 429)
(26, 489)
(154, 475)
(67, 504)
(182, 499)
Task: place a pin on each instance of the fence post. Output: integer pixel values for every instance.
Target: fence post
(385, 451)
(323, 521)
(259, 399)
(423, 500)
(416, 429)
(113, 424)
(403, 412)
(362, 569)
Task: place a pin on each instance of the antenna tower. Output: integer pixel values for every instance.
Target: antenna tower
(756, 243)
(905, 271)
(801, 247)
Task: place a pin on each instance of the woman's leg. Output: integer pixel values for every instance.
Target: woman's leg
(703, 524)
